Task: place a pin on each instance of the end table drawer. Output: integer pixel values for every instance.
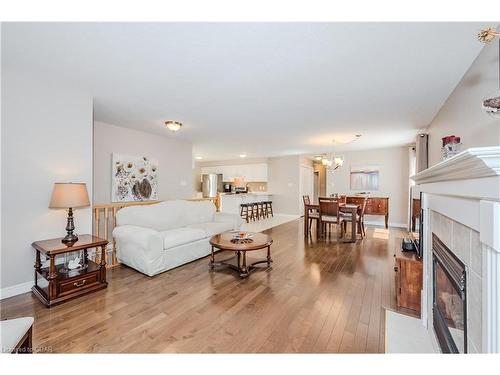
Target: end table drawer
(80, 283)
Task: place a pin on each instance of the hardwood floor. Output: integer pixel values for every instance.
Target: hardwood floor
(320, 296)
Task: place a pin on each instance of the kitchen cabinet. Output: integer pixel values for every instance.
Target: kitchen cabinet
(256, 172)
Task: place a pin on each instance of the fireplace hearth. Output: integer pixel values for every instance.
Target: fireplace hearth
(449, 302)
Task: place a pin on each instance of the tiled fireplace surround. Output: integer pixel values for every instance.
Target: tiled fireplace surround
(464, 243)
(461, 205)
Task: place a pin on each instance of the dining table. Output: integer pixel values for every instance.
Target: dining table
(347, 208)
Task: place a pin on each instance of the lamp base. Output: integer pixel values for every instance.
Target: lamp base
(70, 227)
(69, 238)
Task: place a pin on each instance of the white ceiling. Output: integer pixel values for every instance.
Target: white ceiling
(265, 89)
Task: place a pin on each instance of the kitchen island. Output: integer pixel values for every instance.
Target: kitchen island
(230, 202)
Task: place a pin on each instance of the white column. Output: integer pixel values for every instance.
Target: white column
(490, 243)
(491, 300)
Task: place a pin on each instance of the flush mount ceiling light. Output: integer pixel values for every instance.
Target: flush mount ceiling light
(243, 155)
(173, 126)
(491, 104)
(198, 157)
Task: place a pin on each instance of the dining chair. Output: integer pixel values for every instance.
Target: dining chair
(312, 213)
(360, 218)
(329, 214)
(342, 198)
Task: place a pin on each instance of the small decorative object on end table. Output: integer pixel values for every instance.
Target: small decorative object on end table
(69, 195)
(240, 243)
(56, 284)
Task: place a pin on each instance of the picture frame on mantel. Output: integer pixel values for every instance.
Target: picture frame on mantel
(133, 178)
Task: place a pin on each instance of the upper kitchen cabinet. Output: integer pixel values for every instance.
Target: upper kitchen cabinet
(250, 172)
(255, 172)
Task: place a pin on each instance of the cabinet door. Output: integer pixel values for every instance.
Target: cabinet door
(208, 170)
(410, 284)
(397, 279)
(244, 171)
(261, 173)
(256, 172)
(228, 173)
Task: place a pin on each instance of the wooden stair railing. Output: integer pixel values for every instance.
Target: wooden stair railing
(108, 211)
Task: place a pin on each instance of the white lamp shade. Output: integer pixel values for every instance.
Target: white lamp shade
(66, 195)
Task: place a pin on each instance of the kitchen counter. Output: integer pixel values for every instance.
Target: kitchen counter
(230, 202)
(249, 193)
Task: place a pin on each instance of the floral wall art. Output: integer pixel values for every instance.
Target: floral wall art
(134, 178)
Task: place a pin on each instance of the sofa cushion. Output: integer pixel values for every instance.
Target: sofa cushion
(213, 228)
(181, 236)
(166, 215)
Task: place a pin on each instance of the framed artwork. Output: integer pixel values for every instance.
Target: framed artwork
(134, 178)
(364, 177)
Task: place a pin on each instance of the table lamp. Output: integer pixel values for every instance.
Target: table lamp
(69, 195)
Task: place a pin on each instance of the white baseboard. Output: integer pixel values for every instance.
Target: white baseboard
(287, 215)
(14, 290)
(382, 224)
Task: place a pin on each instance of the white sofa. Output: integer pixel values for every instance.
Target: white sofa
(162, 236)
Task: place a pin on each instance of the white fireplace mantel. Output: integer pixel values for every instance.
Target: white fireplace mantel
(477, 169)
(466, 189)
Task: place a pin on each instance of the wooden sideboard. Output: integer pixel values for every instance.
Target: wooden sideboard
(409, 279)
(374, 206)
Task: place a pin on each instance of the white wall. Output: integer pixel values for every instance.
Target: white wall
(175, 163)
(46, 138)
(393, 180)
(462, 114)
(284, 183)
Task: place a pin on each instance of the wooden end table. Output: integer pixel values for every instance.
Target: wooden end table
(223, 242)
(53, 286)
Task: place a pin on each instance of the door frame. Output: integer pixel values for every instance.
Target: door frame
(301, 192)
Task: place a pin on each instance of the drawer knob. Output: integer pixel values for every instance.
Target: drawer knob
(77, 284)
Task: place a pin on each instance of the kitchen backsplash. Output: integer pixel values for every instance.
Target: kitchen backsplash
(256, 186)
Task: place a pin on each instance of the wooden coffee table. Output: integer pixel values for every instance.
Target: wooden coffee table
(239, 261)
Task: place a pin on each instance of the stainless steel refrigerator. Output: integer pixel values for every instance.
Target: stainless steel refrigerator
(211, 184)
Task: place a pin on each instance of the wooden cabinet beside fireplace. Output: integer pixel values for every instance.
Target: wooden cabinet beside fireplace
(374, 206)
(409, 277)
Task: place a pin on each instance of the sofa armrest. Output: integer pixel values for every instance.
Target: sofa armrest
(139, 238)
(224, 217)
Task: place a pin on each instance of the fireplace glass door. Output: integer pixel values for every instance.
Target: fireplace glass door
(451, 307)
(449, 310)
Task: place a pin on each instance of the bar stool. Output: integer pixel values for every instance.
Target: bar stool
(255, 211)
(269, 208)
(245, 211)
(261, 211)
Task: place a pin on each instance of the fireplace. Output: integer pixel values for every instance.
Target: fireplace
(449, 302)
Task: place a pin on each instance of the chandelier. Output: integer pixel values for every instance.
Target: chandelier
(331, 162)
